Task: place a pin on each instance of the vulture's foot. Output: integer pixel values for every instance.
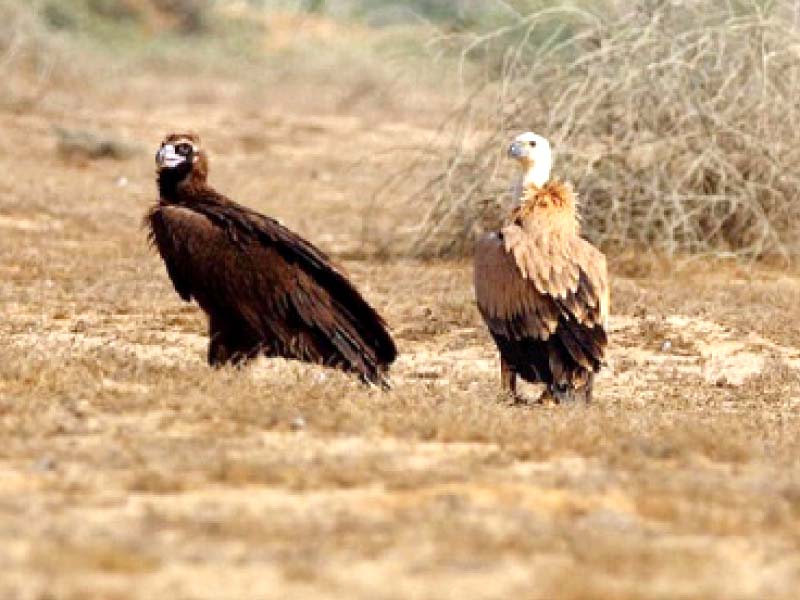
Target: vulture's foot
(547, 398)
(567, 394)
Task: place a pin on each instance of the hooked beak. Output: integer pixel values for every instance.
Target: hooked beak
(516, 150)
(167, 158)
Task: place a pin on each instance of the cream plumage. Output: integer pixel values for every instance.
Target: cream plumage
(541, 288)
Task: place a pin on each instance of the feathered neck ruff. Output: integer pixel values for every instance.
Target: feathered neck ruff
(555, 201)
(181, 188)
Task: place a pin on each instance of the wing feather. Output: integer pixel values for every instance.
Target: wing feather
(530, 285)
(250, 270)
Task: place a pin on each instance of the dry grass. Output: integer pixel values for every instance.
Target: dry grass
(676, 123)
(131, 471)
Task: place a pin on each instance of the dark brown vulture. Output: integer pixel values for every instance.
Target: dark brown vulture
(541, 288)
(266, 290)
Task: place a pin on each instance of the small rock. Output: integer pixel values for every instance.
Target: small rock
(298, 424)
(121, 181)
(666, 346)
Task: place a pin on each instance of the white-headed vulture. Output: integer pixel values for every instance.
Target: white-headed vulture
(266, 290)
(541, 288)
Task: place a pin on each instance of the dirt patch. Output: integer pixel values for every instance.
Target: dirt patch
(129, 469)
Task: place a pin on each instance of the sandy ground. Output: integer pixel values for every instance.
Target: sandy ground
(130, 470)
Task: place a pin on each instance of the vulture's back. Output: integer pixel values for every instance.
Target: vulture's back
(265, 288)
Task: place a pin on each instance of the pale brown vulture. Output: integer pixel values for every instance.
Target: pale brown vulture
(266, 290)
(541, 288)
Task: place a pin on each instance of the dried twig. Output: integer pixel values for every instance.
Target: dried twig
(677, 127)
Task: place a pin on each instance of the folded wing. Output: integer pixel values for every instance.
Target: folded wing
(254, 275)
(548, 287)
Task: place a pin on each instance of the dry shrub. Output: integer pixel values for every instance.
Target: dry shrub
(677, 124)
(192, 15)
(24, 47)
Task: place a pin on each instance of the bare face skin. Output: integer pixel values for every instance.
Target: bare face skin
(176, 152)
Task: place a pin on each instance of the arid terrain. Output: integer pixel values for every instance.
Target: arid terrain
(130, 470)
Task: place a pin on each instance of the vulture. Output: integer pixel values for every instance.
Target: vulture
(541, 288)
(265, 289)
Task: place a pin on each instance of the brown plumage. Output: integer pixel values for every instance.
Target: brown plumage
(543, 293)
(265, 289)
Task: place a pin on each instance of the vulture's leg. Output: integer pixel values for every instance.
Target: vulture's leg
(565, 393)
(547, 397)
(587, 389)
(508, 379)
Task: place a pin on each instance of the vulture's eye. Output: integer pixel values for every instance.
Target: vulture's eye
(532, 143)
(183, 149)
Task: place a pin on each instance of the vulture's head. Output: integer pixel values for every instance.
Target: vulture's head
(181, 155)
(533, 153)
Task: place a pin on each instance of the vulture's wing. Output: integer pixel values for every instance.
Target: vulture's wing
(539, 286)
(255, 272)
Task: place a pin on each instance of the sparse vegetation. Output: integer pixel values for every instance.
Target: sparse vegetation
(132, 471)
(676, 125)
